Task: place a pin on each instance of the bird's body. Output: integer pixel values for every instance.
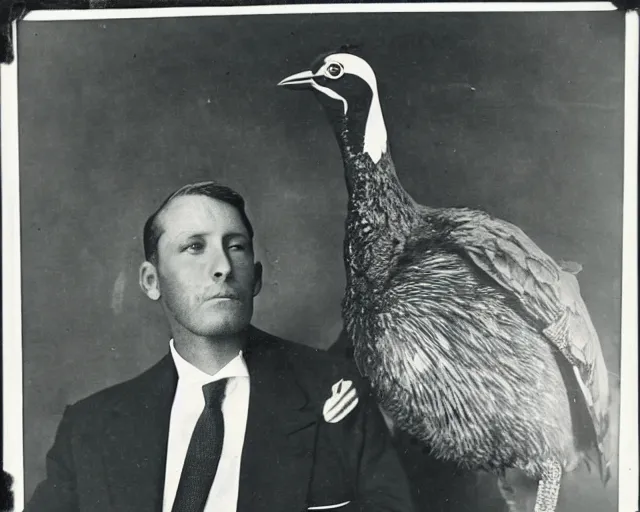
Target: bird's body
(476, 342)
(433, 335)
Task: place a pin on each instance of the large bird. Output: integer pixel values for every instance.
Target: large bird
(475, 341)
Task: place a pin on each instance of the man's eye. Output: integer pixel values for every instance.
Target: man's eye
(237, 247)
(195, 247)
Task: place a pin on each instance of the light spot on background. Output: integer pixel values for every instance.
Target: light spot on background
(117, 295)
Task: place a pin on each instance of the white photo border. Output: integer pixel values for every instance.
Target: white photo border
(11, 262)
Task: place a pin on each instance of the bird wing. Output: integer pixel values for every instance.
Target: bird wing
(548, 293)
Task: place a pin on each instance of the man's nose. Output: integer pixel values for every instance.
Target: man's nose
(220, 266)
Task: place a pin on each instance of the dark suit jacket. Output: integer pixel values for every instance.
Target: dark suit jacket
(110, 449)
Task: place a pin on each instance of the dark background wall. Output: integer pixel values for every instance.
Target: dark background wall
(517, 114)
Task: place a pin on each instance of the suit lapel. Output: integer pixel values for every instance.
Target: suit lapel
(278, 453)
(136, 442)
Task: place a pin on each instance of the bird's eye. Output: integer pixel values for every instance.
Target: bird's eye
(334, 70)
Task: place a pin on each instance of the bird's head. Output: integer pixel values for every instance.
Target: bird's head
(343, 82)
(346, 86)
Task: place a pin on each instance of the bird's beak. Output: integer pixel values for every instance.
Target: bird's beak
(301, 80)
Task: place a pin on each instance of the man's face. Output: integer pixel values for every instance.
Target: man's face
(206, 271)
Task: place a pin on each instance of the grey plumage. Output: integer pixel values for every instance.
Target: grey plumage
(475, 341)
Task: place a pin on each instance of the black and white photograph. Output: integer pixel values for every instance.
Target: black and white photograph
(374, 258)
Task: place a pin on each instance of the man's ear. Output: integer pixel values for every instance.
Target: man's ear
(257, 281)
(149, 282)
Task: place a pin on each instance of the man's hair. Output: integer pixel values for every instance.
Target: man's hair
(152, 231)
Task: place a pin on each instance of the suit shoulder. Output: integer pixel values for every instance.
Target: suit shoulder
(316, 368)
(114, 396)
(308, 357)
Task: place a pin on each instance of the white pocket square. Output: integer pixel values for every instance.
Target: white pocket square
(342, 401)
(329, 507)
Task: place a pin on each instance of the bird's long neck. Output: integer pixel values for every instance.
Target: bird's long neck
(380, 211)
(380, 214)
(361, 130)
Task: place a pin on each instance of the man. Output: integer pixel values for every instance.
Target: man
(232, 419)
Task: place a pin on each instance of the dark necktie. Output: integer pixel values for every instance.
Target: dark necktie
(203, 455)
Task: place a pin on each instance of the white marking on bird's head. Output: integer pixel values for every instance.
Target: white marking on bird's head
(335, 67)
(338, 64)
(332, 94)
(350, 80)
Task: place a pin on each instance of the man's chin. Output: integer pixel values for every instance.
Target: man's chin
(225, 327)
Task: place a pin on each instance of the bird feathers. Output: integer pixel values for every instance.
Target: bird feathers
(474, 339)
(550, 298)
(458, 368)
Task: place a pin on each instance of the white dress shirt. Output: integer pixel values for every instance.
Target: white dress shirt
(187, 407)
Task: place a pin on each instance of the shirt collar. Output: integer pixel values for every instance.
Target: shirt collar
(189, 373)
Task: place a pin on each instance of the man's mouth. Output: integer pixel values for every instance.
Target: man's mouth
(223, 296)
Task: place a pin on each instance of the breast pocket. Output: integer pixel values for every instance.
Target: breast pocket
(344, 506)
